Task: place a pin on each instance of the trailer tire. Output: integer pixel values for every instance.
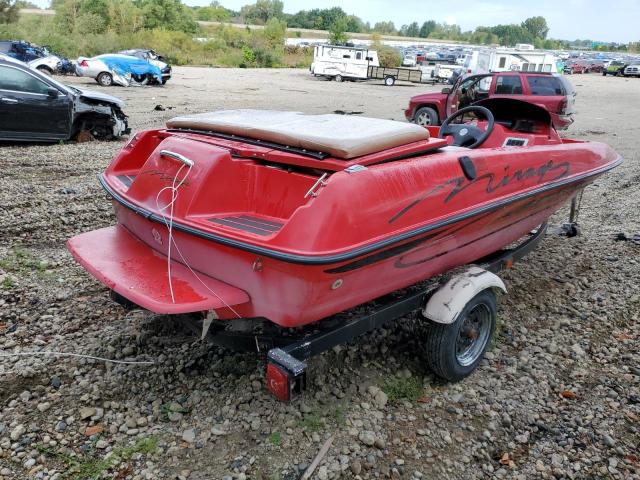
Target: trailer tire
(425, 116)
(389, 80)
(338, 78)
(443, 342)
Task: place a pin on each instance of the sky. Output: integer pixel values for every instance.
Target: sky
(608, 21)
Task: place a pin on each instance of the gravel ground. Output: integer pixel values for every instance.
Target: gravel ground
(558, 395)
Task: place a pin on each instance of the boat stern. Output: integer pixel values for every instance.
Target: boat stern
(136, 271)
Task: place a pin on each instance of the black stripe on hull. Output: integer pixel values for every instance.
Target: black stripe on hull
(360, 251)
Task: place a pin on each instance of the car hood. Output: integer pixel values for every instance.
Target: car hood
(434, 96)
(103, 97)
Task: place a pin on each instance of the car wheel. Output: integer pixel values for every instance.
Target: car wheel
(604, 74)
(389, 81)
(338, 78)
(454, 351)
(426, 116)
(45, 70)
(164, 81)
(105, 79)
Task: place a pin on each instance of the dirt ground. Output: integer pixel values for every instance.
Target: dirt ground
(558, 395)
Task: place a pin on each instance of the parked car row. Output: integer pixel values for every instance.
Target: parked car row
(137, 66)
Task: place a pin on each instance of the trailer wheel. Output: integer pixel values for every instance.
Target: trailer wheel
(454, 351)
(389, 81)
(426, 116)
(338, 78)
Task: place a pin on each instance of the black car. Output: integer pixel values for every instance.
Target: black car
(151, 57)
(35, 107)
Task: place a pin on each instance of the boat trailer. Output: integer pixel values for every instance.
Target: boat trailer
(286, 355)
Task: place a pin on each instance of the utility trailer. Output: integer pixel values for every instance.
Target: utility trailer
(391, 75)
(286, 354)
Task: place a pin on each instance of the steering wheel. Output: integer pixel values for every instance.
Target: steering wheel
(465, 135)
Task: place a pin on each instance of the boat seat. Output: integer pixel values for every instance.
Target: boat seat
(341, 136)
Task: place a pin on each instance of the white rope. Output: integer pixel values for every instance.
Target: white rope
(169, 224)
(174, 196)
(79, 355)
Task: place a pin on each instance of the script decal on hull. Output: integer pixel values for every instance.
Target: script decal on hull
(549, 172)
(164, 177)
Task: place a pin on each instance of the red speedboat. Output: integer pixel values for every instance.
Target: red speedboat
(293, 218)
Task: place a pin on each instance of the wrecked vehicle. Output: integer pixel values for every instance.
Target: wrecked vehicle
(41, 58)
(35, 107)
(123, 70)
(153, 58)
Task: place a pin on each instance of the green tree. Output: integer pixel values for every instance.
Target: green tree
(411, 30)
(124, 16)
(8, 11)
(261, 11)
(169, 14)
(67, 14)
(511, 34)
(337, 32)
(275, 31)
(536, 26)
(426, 29)
(384, 27)
(213, 13)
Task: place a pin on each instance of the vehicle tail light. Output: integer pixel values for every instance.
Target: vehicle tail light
(285, 375)
(562, 107)
(278, 382)
(84, 63)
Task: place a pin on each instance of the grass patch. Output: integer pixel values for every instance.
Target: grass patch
(403, 388)
(8, 282)
(339, 415)
(275, 438)
(21, 261)
(311, 421)
(93, 467)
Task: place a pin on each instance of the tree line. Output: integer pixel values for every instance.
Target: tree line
(97, 25)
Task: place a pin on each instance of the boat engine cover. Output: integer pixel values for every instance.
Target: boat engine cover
(448, 301)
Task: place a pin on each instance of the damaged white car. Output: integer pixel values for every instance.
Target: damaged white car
(34, 107)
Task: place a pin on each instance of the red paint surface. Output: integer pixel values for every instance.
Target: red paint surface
(351, 211)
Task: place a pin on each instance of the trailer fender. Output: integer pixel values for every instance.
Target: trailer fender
(449, 300)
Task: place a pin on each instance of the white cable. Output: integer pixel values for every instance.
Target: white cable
(79, 355)
(174, 196)
(202, 282)
(169, 225)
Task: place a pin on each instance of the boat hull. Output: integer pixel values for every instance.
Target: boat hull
(291, 294)
(243, 220)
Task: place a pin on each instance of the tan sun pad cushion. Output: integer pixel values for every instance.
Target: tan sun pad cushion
(341, 136)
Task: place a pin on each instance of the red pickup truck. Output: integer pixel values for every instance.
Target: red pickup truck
(548, 90)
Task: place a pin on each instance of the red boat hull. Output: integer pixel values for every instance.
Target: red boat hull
(261, 248)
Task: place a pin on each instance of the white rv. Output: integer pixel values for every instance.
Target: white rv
(503, 60)
(340, 63)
